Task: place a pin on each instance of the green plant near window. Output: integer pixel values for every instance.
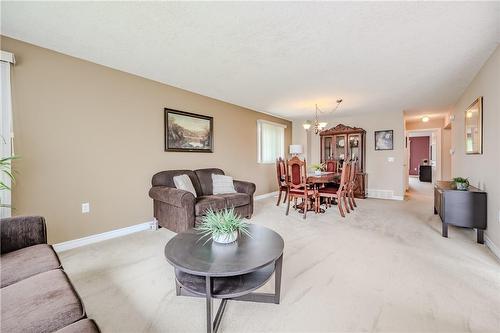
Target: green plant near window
(461, 183)
(222, 225)
(6, 171)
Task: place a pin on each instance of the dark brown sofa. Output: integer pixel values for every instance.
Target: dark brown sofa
(179, 210)
(36, 294)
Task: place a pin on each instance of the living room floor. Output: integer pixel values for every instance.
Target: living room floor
(383, 268)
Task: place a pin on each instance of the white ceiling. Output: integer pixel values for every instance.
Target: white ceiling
(278, 57)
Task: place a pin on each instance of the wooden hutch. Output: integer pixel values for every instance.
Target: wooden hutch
(341, 143)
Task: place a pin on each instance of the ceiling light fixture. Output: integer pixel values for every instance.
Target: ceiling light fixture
(425, 119)
(317, 125)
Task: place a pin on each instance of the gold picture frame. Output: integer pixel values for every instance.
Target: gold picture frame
(474, 128)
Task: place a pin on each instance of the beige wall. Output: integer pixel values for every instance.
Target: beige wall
(482, 169)
(382, 174)
(88, 133)
(445, 141)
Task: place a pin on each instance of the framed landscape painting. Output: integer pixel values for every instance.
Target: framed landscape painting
(384, 140)
(188, 132)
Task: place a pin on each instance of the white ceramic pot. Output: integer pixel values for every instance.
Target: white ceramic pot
(225, 238)
(317, 172)
(462, 186)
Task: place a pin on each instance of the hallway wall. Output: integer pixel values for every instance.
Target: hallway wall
(482, 170)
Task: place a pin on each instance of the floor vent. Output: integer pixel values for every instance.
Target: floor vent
(380, 194)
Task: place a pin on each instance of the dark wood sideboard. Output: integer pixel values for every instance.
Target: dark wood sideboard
(460, 208)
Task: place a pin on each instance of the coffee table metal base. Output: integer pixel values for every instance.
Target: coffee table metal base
(235, 288)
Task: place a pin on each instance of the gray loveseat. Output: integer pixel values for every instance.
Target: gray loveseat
(179, 210)
(36, 294)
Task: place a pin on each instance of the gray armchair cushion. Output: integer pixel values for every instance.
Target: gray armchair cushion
(81, 326)
(26, 262)
(172, 196)
(205, 178)
(42, 303)
(244, 187)
(206, 202)
(22, 231)
(235, 199)
(166, 178)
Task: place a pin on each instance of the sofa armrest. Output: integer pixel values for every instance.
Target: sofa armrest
(172, 196)
(22, 231)
(244, 187)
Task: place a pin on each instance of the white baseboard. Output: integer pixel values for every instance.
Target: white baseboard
(64, 246)
(493, 248)
(383, 194)
(266, 195)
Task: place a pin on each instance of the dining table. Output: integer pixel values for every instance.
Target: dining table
(323, 177)
(317, 180)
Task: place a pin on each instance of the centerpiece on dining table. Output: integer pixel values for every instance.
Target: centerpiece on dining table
(318, 168)
(222, 226)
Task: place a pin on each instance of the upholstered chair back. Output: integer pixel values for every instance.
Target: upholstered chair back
(297, 173)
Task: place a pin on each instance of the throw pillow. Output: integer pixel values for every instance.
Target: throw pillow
(222, 184)
(183, 182)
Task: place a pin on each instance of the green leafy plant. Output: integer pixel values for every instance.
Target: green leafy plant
(318, 166)
(221, 222)
(461, 180)
(6, 171)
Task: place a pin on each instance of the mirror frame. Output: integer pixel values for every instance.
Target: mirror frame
(478, 101)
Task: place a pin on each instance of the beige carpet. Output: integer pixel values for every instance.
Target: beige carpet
(384, 268)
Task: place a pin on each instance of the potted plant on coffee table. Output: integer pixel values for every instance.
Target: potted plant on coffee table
(462, 184)
(222, 226)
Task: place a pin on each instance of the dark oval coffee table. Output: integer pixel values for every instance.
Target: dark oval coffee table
(226, 271)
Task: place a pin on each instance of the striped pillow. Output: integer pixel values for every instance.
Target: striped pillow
(183, 182)
(222, 184)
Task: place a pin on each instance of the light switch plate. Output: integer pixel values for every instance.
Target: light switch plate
(390, 159)
(85, 208)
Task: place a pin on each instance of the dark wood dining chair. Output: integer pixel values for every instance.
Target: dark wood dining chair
(297, 184)
(337, 193)
(281, 176)
(352, 185)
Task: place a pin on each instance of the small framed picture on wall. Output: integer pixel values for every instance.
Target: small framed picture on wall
(384, 140)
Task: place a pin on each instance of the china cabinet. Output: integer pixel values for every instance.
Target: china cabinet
(344, 143)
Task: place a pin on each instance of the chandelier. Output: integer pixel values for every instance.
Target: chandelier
(317, 125)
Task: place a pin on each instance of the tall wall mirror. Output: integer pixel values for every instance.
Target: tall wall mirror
(474, 127)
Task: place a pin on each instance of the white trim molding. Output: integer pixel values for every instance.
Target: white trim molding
(266, 195)
(72, 244)
(492, 246)
(383, 194)
(7, 57)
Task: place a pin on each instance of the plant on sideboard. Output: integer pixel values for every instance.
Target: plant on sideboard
(222, 226)
(462, 184)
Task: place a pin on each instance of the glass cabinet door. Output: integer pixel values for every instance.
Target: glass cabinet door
(354, 147)
(339, 152)
(327, 148)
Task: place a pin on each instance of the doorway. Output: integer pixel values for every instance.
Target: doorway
(424, 155)
(420, 153)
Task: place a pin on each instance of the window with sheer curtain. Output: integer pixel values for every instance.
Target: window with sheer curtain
(6, 60)
(271, 141)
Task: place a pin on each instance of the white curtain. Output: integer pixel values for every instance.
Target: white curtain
(7, 59)
(271, 141)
